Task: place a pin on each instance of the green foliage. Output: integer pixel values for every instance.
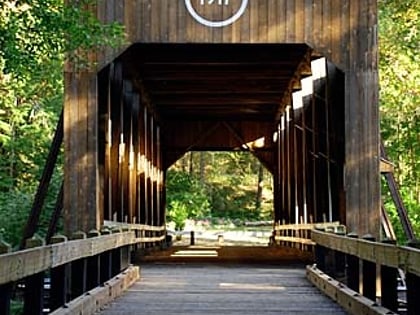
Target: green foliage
(400, 97)
(187, 198)
(410, 203)
(178, 213)
(223, 184)
(16, 307)
(35, 37)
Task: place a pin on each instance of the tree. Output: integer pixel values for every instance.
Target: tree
(232, 184)
(186, 198)
(400, 97)
(35, 38)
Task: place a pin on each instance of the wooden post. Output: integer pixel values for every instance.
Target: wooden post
(93, 266)
(413, 285)
(105, 262)
(192, 238)
(59, 289)
(5, 289)
(339, 260)
(369, 274)
(353, 268)
(116, 257)
(78, 271)
(320, 252)
(125, 254)
(389, 284)
(34, 286)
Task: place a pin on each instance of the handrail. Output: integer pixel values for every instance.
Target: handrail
(21, 264)
(90, 262)
(405, 258)
(135, 226)
(359, 263)
(306, 226)
(17, 265)
(299, 235)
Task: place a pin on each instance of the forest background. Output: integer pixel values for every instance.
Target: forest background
(33, 46)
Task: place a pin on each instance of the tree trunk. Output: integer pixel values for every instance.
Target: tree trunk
(259, 187)
(202, 167)
(191, 163)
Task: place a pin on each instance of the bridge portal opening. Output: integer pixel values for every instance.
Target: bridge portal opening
(282, 102)
(216, 192)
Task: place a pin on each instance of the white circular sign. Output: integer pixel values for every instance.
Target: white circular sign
(210, 23)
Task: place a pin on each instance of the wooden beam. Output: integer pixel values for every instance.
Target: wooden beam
(19, 265)
(308, 226)
(402, 257)
(351, 301)
(94, 300)
(386, 166)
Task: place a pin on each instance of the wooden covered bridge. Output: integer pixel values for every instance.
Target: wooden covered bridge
(294, 82)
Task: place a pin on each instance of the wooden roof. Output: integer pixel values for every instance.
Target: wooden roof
(214, 82)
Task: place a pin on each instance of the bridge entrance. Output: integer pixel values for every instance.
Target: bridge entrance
(293, 82)
(227, 75)
(280, 102)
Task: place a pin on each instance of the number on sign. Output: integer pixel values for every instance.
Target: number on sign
(219, 2)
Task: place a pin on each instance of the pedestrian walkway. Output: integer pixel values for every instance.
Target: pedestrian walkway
(222, 289)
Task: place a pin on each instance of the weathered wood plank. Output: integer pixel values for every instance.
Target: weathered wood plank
(292, 239)
(97, 298)
(350, 300)
(18, 265)
(71, 151)
(217, 289)
(94, 205)
(383, 254)
(308, 226)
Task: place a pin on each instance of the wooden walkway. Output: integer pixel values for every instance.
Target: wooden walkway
(222, 289)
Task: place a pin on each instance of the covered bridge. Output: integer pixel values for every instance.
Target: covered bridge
(294, 82)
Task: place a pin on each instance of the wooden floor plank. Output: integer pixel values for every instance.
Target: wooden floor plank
(222, 289)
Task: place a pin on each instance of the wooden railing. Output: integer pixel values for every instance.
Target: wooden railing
(362, 274)
(145, 234)
(73, 267)
(299, 235)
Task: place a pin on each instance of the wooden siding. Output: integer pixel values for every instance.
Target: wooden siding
(344, 31)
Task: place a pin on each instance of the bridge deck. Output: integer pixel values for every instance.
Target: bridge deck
(222, 289)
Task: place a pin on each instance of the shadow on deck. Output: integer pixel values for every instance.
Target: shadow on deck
(226, 254)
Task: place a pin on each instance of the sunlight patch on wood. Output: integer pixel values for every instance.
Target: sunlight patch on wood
(251, 286)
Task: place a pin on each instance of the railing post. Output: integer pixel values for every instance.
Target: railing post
(5, 289)
(192, 238)
(320, 253)
(116, 256)
(369, 274)
(34, 286)
(413, 285)
(78, 271)
(339, 257)
(59, 289)
(125, 253)
(329, 258)
(353, 269)
(105, 262)
(389, 284)
(93, 265)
